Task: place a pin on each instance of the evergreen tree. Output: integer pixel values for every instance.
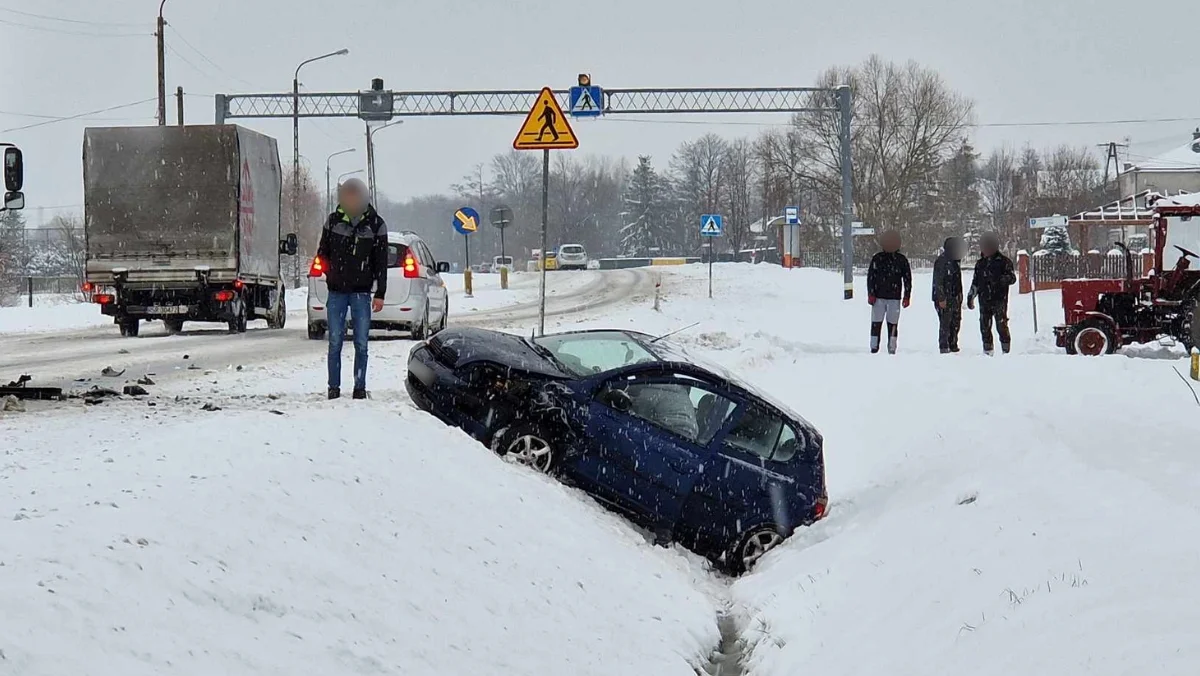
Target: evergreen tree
(1056, 240)
(14, 254)
(644, 202)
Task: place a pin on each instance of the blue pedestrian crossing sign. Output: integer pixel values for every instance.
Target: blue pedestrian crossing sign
(711, 225)
(586, 101)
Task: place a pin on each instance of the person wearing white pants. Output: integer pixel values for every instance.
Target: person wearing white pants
(889, 288)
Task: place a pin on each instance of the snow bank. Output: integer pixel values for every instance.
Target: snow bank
(1029, 513)
(1163, 348)
(334, 538)
(53, 313)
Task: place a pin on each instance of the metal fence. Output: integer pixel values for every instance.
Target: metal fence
(1049, 268)
(832, 260)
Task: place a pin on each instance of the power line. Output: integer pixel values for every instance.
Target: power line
(79, 116)
(65, 20)
(37, 116)
(202, 55)
(1060, 123)
(47, 29)
(194, 67)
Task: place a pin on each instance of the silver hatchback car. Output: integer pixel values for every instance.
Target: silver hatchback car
(416, 302)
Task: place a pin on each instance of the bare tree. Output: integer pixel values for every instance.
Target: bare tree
(310, 219)
(698, 183)
(71, 246)
(907, 123)
(738, 195)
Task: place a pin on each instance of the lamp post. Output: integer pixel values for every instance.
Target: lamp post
(348, 174)
(371, 152)
(162, 66)
(296, 132)
(328, 188)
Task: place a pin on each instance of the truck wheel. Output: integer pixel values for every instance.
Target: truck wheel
(129, 328)
(278, 319)
(316, 331)
(1092, 338)
(174, 326)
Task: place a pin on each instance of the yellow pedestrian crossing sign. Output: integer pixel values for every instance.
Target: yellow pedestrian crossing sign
(546, 128)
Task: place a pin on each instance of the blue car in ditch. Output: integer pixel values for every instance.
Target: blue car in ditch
(682, 449)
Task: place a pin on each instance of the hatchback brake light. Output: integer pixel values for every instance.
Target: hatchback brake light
(412, 269)
(318, 267)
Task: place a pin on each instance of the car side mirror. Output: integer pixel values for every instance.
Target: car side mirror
(14, 201)
(442, 267)
(618, 400)
(290, 244)
(14, 170)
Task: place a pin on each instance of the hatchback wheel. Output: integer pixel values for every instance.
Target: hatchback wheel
(753, 546)
(526, 445)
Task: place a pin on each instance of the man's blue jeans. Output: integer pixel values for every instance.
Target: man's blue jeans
(359, 306)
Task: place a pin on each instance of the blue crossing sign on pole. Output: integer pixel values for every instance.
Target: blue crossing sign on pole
(586, 101)
(711, 225)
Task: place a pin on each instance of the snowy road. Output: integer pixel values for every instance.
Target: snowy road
(58, 358)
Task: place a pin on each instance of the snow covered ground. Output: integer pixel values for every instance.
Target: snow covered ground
(1029, 513)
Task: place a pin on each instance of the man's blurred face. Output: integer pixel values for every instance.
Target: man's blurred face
(352, 198)
(989, 245)
(890, 241)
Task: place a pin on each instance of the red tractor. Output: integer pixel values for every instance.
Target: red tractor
(1104, 314)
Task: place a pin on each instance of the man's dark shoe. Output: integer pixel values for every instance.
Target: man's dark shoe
(955, 349)
(335, 393)
(945, 350)
(1005, 347)
(360, 394)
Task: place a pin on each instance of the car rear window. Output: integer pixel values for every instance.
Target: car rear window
(396, 255)
(569, 249)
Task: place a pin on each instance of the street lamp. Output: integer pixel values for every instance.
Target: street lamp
(348, 174)
(371, 152)
(328, 188)
(296, 132)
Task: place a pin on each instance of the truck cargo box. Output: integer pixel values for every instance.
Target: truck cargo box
(161, 202)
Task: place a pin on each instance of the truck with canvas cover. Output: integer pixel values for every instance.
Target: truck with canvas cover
(183, 224)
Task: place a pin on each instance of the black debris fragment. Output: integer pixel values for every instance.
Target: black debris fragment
(145, 380)
(135, 391)
(111, 372)
(210, 407)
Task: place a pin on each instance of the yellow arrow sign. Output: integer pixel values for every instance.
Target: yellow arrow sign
(468, 222)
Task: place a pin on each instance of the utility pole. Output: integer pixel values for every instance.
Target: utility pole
(1112, 156)
(371, 154)
(179, 105)
(845, 109)
(296, 134)
(162, 66)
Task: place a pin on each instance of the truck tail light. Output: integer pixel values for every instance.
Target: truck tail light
(87, 287)
(104, 298)
(238, 284)
(223, 296)
(412, 269)
(318, 267)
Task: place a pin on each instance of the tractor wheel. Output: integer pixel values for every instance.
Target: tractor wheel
(1092, 338)
(1189, 334)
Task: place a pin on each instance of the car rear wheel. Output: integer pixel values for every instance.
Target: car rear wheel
(1092, 338)
(278, 318)
(130, 327)
(420, 330)
(529, 446)
(752, 547)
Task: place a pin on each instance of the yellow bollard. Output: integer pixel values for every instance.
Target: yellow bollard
(504, 277)
(467, 282)
(1195, 363)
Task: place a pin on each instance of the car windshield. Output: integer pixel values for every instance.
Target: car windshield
(584, 354)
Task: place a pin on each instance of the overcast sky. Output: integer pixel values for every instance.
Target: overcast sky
(1022, 61)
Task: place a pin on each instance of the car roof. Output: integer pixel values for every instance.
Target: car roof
(403, 237)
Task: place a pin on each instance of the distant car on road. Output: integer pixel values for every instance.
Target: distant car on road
(683, 449)
(572, 257)
(416, 299)
(502, 262)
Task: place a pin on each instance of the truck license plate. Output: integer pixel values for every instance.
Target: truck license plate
(167, 310)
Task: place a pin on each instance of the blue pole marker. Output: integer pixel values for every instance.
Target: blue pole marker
(791, 215)
(712, 225)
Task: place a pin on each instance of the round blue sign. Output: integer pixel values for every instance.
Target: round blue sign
(466, 220)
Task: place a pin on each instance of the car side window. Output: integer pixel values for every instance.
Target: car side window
(685, 408)
(423, 253)
(789, 445)
(756, 433)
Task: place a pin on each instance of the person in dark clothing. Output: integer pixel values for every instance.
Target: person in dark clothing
(948, 293)
(353, 252)
(889, 287)
(993, 275)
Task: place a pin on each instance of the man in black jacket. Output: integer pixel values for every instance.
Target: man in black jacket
(993, 275)
(353, 250)
(948, 293)
(889, 287)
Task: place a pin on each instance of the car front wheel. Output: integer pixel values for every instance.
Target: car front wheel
(529, 446)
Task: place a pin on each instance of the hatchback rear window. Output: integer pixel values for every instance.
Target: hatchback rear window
(396, 254)
(572, 249)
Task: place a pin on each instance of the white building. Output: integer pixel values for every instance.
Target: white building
(1170, 172)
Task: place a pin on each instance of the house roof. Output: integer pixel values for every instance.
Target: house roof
(1184, 158)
